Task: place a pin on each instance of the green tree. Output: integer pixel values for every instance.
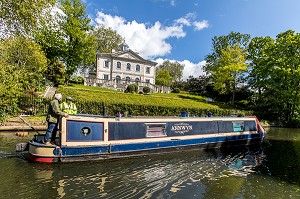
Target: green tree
(175, 69)
(256, 54)
(106, 39)
(22, 64)
(50, 36)
(80, 48)
(231, 47)
(227, 74)
(280, 65)
(21, 17)
(163, 77)
(219, 43)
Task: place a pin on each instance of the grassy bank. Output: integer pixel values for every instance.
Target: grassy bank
(92, 99)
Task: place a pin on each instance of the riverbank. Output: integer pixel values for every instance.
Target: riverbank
(37, 123)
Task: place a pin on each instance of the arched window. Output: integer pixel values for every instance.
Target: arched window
(118, 79)
(127, 79)
(128, 66)
(118, 65)
(138, 68)
(137, 80)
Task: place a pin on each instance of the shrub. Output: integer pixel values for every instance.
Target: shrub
(132, 88)
(146, 89)
(176, 90)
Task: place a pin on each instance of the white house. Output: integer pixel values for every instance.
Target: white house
(118, 69)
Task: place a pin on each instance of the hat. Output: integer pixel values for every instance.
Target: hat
(58, 96)
(69, 98)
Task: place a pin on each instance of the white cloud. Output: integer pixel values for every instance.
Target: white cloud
(190, 69)
(188, 20)
(149, 41)
(199, 25)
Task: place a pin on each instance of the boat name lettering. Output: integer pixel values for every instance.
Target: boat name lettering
(181, 128)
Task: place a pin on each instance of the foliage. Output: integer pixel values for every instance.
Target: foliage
(50, 36)
(176, 90)
(132, 88)
(227, 74)
(80, 49)
(146, 89)
(22, 64)
(197, 85)
(77, 80)
(175, 69)
(106, 39)
(21, 17)
(277, 75)
(163, 77)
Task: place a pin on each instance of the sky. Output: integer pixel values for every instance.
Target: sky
(182, 30)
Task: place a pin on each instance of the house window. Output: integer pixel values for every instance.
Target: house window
(106, 64)
(148, 70)
(128, 66)
(118, 65)
(137, 80)
(238, 126)
(127, 79)
(156, 129)
(105, 77)
(147, 80)
(138, 68)
(118, 79)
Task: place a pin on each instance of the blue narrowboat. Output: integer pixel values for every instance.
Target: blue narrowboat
(84, 137)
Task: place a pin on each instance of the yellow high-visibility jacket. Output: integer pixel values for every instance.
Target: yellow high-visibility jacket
(68, 108)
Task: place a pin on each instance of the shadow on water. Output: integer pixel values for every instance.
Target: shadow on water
(283, 154)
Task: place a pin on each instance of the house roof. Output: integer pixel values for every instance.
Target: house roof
(127, 55)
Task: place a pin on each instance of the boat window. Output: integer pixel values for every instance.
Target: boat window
(156, 129)
(238, 126)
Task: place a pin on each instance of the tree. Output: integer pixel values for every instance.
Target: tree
(106, 39)
(257, 68)
(51, 37)
(226, 49)
(279, 64)
(222, 42)
(175, 69)
(163, 77)
(197, 85)
(80, 48)
(227, 74)
(22, 64)
(21, 17)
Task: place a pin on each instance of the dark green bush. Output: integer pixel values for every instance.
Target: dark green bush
(146, 89)
(176, 90)
(132, 88)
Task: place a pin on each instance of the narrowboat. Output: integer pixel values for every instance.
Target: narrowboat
(88, 137)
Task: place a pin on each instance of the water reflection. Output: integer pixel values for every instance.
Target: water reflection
(256, 172)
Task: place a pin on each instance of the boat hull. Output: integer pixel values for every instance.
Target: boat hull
(41, 153)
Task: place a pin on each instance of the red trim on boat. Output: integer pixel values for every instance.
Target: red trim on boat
(40, 159)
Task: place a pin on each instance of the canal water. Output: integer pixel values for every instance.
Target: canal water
(270, 171)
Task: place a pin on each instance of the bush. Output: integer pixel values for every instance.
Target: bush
(146, 89)
(176, 90)
(132, 88)
(77, 80)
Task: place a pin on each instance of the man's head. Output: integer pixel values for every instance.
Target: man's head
(58, 96)
(69, 100)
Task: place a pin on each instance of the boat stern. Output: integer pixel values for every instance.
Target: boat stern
(43, 153)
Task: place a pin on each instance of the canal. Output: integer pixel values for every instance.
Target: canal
(270, 171)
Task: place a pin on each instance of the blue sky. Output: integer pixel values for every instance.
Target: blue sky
(182, 30)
